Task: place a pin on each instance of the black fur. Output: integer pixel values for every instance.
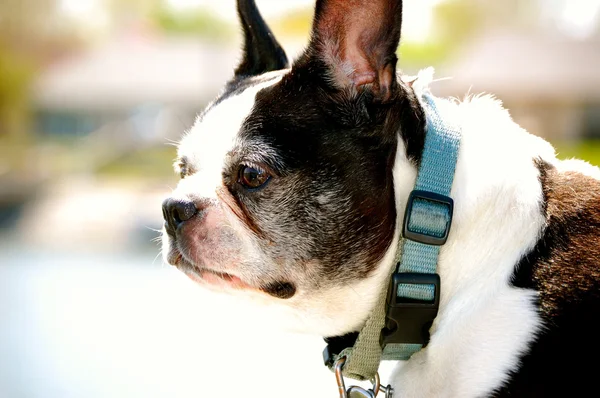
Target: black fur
(282, 290)
(337, 344)
(322, 153)
(262, 53)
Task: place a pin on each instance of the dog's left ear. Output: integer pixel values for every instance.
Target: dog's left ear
(357, 42)
(262, 52)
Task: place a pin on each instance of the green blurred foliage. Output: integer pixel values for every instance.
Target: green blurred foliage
(16, 73)
(453, 22)
(296, 23)
(31, 35)
(421, 55)
(199, 22)
(456, 20)
(148, 163)
(588, 150)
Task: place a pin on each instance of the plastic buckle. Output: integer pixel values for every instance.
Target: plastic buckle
(337, 344)
(421, 237)
(328, 357)
(407, 320)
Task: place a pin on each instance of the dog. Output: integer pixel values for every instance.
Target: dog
(294, 184)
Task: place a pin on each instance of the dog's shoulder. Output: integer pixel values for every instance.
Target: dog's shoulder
(566, 260)
(571, 188)
(569, 248)
(564, 269)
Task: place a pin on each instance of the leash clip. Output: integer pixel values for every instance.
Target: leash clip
(357, 391)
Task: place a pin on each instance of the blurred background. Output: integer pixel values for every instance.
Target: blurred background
(93, 94)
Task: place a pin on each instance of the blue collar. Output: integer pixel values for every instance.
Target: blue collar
(414, 293)
(413, 296)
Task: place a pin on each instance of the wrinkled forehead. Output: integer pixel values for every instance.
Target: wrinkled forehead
(218, 131)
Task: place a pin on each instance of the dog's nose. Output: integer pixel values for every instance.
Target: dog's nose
(177, 211)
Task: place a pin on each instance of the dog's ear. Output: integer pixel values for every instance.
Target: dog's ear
(357, 42)
(262, 52)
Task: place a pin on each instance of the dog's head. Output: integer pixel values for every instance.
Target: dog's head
(286, 185)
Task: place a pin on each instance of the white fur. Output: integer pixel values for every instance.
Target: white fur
(579, 166)
(206, 146)
(334, 311)
(212, 137)
(484, 323)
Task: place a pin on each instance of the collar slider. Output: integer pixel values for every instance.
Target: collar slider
(428, 217)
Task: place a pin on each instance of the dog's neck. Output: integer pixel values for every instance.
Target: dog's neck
(495, 219)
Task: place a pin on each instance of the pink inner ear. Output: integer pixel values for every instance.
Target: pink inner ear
(362, 79)
(356, 36)
(352, 54)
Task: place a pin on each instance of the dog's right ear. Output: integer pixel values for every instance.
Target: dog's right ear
(356, 41)
(262, 52)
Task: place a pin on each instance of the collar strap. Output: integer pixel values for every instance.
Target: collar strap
(414, 292)
(399, 325)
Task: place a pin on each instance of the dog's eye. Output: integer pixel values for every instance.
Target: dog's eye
(253, 177)
(183, 167)
(182, 171)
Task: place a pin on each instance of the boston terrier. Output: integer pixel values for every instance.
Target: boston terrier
(294, 184)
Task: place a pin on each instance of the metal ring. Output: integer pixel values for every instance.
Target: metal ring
(376, 384)
(388, 391)
(339, 378)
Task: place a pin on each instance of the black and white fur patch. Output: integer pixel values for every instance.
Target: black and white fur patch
(336, 139)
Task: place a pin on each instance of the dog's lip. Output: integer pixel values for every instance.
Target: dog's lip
(205, 275)
(174, 258)
(217, 278)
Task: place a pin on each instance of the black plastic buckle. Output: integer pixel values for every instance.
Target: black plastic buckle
(408, 320)
(418, 236)
(328, 356)
(337, 344)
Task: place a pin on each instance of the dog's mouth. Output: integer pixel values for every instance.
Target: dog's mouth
(206, 276)
(222, 280)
